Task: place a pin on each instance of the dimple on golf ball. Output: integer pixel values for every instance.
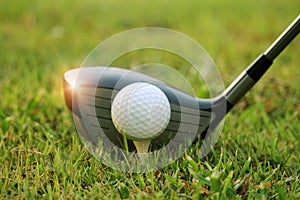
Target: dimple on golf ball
(141, 111)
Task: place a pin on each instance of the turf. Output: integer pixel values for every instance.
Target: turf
(41, 156)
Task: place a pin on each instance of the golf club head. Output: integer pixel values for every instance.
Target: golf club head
(90, 91)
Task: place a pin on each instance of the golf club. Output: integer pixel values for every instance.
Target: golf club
(191, 117)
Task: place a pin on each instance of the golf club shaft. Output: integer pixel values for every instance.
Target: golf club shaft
(247, 79)
(283, 40)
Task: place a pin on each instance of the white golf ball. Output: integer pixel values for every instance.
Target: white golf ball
(141, 111)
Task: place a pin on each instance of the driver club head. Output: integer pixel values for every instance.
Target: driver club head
(96, 87)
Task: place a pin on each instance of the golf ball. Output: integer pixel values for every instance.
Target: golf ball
(141, 111)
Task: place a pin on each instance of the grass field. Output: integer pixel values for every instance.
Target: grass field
(41, 156)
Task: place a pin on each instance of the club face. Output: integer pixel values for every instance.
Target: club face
(90, 99)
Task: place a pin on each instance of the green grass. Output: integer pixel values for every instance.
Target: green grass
(41, 156)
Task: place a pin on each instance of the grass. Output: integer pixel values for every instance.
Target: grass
(41, 156)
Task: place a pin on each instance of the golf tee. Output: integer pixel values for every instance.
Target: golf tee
(142, 146)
